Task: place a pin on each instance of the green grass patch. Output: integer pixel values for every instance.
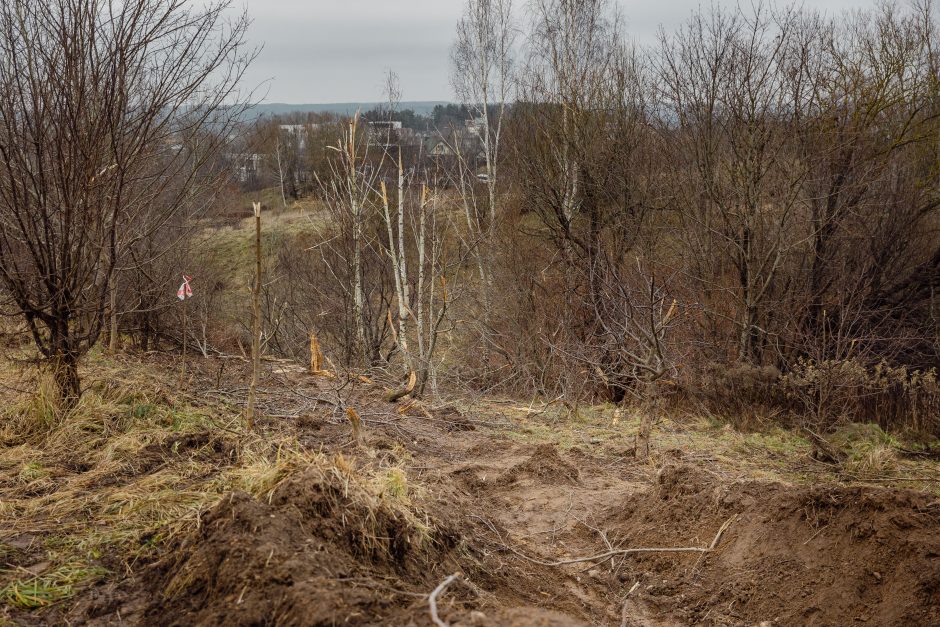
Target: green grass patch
(36, 591)
(32, 471)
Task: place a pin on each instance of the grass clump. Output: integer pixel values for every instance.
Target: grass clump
(36, 591)
(871, 453)
(29, 418)
(32, 471)
(264, 464)
(775, 441)
(396, 484)
(126, 469)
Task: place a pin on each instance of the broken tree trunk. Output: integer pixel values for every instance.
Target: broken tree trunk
(356, 423)
(402, 392)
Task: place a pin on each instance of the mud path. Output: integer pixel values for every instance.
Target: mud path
(824, 555)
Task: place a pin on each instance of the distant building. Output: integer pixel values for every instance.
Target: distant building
(298, 132)
(436, 146)
(247, 166)
(388, 134)
(468, 143)
(386, 125)
(476, 126)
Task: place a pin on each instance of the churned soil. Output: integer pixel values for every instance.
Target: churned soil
(541, 535)
(319, 553)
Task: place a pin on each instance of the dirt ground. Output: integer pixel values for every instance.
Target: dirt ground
(547, 518)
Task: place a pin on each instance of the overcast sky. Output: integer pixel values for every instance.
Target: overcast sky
(339, 50)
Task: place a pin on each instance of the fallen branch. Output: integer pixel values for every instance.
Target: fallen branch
(625, 611)
(823, 451)
(607, 554)
(432, 599)
(316, 399)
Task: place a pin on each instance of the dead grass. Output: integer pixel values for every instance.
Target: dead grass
(235, 243)
(116, 478)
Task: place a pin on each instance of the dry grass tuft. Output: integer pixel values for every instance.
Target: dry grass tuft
(395, 484)
(265, 463)
(871, 453)
(30, 417)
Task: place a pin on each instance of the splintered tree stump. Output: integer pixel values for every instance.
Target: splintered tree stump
(317, 359)
(316, 355)
(356, 423)
(394, 395)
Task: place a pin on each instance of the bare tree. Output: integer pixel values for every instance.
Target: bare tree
(94, 95)
(635, 316)
(868, 128)
(350, 194)
(427, 263)
(482, 62)
(725, 84)
(585, 159)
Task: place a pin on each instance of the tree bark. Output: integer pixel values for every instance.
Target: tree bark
(648, 417)
(67, 382)
(113, 339)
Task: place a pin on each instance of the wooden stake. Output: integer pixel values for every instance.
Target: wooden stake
(183, 366)
(255, 324)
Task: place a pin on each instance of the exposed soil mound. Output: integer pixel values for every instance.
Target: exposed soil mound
(320, 550)
(125, 515)
(794, 555)
(544, 465)
(472, 478)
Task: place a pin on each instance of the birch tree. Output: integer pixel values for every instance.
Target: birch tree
(350, 194)
(422, 310)
(482, 62)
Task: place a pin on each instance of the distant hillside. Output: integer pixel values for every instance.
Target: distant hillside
(341, 108)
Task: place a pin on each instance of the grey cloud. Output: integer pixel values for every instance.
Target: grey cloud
(339, 50)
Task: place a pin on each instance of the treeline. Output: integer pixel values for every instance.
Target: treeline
(743, 217)
(759, 191)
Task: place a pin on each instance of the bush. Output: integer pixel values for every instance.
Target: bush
(824, 395)
(894, 398)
